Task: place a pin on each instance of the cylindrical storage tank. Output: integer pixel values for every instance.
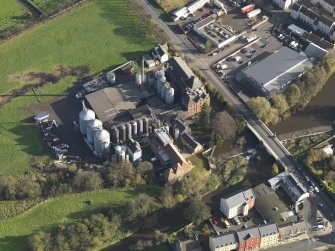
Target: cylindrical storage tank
(176, 132)
(122, 156)
(101, 141)
(145, 125)
(93, 126)
(160, 85)
(139, 126)
(159, 74)
(138, 79)
(163, 90)
(127, 158)
(134, 128)
(169, 97)
(110, 78)
(129, 134)
(123, 133)
(115, 135)
(117, 149)
(84, 117)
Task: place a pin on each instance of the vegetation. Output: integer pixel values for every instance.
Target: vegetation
(196, 212)
(234, 170)
(169, 5)
(64, 210)
(64, 41)
(298, 94)
(11, 14)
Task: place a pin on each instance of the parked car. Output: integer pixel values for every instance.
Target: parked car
(214, 221)
(237, 220)
(243, 50)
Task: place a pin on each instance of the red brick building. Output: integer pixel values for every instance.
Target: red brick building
(249, 239)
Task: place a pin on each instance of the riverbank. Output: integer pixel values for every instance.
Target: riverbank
(319, 112)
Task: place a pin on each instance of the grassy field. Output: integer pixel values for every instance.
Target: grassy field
(9, 9)
(14, 232)
(100, 34)
(169, 5)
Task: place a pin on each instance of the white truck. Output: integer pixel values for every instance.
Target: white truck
(218, 4)
(251, 38)
(253, 13)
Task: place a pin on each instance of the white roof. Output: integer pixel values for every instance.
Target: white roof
(180, 12)
(296, 29)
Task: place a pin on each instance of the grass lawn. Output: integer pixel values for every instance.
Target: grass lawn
(101, 34)
(199, 162)
(8, 11)
(8, 8)
(14, 232)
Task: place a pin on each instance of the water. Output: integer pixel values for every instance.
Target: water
(319, 112)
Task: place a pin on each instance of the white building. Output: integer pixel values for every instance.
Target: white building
(239, 203)
(318, 23)
(160, 53)
(134, 150)
(284, 4)
(189, 9)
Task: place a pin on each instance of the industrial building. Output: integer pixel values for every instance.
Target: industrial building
(193, 92)
(159, 55)
(239, 203)
(284, 4)
(273, 73)
(134, 150)
(189, 9)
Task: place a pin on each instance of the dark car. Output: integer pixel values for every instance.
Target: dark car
(243, 50)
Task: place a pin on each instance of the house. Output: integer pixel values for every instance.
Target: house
(317, 22)
(133, 149)
(190, 143)
(224, 242)
(293, 230)
(236, 204)
(269, 235)
(188, 245)
(160, 53)
(284, 4)
(327, 5)
(248, 239)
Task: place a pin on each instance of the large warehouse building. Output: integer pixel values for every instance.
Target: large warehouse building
(273, 73)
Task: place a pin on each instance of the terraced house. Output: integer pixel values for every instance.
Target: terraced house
(327, 5)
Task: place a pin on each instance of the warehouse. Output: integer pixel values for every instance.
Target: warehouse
(274, 72)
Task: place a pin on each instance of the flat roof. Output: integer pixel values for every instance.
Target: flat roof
(276, 70)
(110, 102)
(270, 206)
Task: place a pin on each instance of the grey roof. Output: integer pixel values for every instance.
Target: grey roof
(162, 49)
(293, 229)
(269, 229)
(247, 233)
(205, 22)
(311, 37)
(133, 145)
(163, 136)
(296, 7)
(276, 70)
(224, 239)
(239, 198)
(315, 51)
(190, 141)
(189, 245)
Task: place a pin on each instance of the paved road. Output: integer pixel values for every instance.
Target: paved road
(203, 63)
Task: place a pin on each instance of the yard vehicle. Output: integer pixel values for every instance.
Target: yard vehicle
(225, 222)
(251, 38)
(243, 50)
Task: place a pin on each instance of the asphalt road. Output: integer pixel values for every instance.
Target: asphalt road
(203, 63)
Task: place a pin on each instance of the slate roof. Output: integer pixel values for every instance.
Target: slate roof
(239, 198)
(269, 229)
(247, 233)
(224, 239)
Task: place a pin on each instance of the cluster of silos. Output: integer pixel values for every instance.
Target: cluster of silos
(96, 137)
(120, 152)
(111, 78)
(131, 129)
(163, 88)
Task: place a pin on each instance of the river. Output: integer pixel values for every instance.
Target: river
(319, 112)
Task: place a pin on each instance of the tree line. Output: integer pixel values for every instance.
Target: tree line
(297, 95)
(54, 182)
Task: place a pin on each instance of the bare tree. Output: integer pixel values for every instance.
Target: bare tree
(224, 125)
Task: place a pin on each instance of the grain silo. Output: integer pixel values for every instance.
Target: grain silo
(129, 134)
(138, 79)
(164, 89)
(110, 76)
(123, 133)
(122, 156)
(176, 132)
(115, 135)
(145, 125)
(93, 126)
(117, 150)
(139, 126)
(169, 97)
(101, 142)
(84, 116)
(134, 128)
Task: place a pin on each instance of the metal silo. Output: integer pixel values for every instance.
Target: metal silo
(110, 76)
(93, 126)
(122, 156)
(138, 79)
(145, 125)
(101, 142)
(169, 97)
(176, 132)
(134, 128)
(123, 133)
(165, 87)
(85, 116)
(115, 135)
(117, 149)
(140, 126)
(128, 126)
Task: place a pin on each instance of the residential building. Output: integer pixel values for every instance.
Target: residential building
(318, 23)
(249, 239)
(284, 4)
(194, 94)
(273, 73)
(188, 245)
(133, 149)
(310, 37)
(224, 242)
(296, 230)
(236, 204)
(264, 236)
(327, 5)
(269, 235)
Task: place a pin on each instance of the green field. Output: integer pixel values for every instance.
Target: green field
(100, 34)
(14, 232)
(8, 10)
